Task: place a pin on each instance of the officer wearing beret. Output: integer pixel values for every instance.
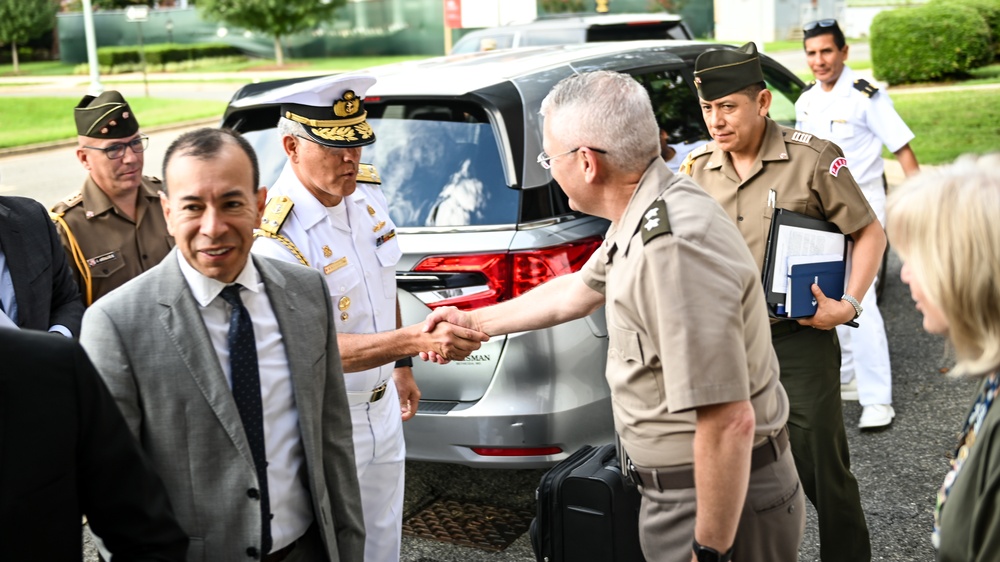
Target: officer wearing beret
(113, 228)
(752, 167)
(326, 211)
(842, 107)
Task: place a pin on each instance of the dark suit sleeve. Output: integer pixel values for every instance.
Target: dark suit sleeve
(67, 307)
(123, 497)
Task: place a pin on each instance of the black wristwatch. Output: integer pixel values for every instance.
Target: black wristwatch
(404, 362)
(706, 554)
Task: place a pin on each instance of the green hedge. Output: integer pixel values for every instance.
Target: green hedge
(988, 9)
(160, 55)
(928, 43)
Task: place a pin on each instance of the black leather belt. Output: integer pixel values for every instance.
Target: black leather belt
(682, 477)
(786, 328)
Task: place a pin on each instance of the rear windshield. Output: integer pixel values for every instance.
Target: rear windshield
(440, 165)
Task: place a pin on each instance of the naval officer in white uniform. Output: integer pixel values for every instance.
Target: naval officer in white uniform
(853, 113)
(327, 212)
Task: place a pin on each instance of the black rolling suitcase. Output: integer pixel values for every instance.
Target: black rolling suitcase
(586, 511)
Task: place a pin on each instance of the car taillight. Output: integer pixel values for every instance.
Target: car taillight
(515, 452)
(505, 275)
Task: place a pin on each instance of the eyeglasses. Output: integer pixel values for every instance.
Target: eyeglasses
(819, 23)
(117, 150)
(545, 161)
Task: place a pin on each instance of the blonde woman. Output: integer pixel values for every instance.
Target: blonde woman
(945, 224)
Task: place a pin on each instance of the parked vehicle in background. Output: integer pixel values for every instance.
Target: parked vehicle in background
(479, 222)
(572, 29)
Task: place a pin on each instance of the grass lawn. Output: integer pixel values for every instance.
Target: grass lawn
(32, 120)
(42, 68)
(948, 124)
(329, 64)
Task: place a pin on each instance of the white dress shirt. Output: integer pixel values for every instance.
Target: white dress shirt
(289, 497)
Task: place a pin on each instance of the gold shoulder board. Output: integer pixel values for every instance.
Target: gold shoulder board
(368, 174)
(685, 167)
(275, 213)
(865, 87)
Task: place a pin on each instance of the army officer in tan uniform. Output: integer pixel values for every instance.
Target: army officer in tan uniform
(113, 228)
(694, 379)
(753, 166)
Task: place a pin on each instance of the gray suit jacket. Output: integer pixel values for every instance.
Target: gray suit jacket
(150, 345)
(43, 283)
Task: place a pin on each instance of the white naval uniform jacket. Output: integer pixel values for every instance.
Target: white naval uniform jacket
(359, 262)
(855, 122)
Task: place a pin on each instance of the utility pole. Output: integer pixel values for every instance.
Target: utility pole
(96, 88)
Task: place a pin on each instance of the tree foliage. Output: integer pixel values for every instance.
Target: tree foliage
(274, 18)
(23, 20)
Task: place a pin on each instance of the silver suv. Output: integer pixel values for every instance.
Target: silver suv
(571, 29)
(481, 222)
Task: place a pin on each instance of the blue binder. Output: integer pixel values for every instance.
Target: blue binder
(829, 276)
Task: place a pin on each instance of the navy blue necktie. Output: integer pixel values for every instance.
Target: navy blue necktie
(246, 393)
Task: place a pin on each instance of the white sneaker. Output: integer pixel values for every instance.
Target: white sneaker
(876, 415)
(849, 391)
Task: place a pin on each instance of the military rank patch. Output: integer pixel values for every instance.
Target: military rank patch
(836, 165)
(865, 87)
(655, 221)
(799, 136)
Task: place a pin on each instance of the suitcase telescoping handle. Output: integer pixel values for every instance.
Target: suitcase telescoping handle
(623, 461)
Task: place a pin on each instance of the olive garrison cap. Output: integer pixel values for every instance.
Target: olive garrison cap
(331, 109)
(721, 72)
(106, 116)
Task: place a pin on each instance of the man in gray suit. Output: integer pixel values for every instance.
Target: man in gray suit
(229, 374)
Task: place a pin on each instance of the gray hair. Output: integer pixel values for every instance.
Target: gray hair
(606, 110)
(288, 127)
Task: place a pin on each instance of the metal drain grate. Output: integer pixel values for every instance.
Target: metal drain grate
(468, 524)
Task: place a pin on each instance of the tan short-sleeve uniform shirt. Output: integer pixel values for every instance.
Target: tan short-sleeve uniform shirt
(808, 175)
(116, 247)
(686, 320)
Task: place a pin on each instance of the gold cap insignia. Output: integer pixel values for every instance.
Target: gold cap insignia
(347, 105)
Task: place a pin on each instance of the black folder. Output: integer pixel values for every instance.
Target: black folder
(781, 218)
